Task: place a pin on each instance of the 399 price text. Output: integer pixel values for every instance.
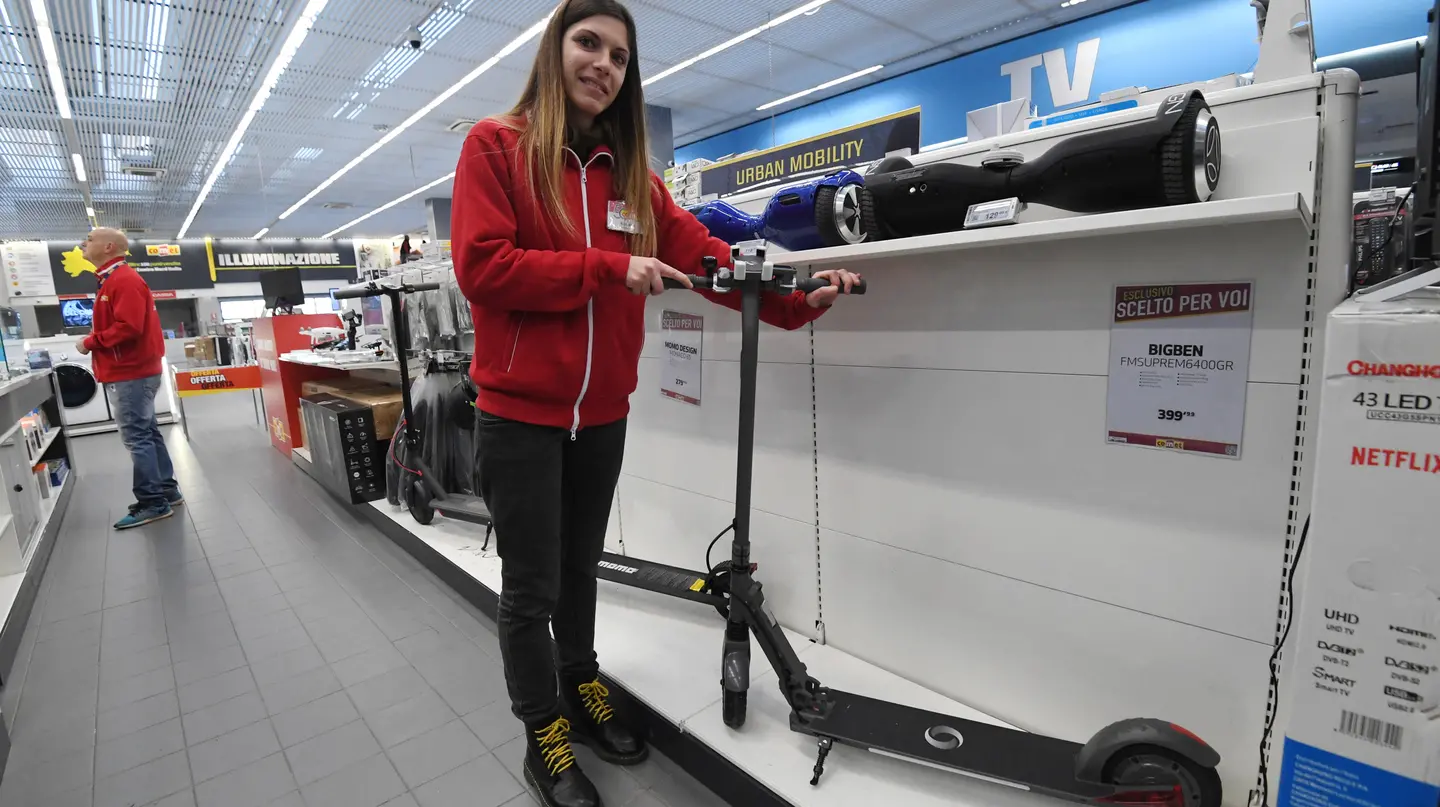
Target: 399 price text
(1173, 414)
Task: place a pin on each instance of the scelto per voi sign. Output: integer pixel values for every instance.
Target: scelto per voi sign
(277, 260)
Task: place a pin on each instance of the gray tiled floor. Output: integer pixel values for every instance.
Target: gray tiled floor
(265, 648)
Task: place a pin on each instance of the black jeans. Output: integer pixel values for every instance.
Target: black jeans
(549, 497)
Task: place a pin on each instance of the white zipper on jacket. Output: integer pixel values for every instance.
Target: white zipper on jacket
(590, 304)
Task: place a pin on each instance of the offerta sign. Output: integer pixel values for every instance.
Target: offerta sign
(210, 380)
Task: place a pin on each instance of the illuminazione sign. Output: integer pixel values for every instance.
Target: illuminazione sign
(232, 260)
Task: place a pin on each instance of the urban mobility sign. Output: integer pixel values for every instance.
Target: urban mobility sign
(862, 143)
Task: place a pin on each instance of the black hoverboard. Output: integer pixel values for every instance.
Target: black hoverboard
(1132, 762)
(1171, 159)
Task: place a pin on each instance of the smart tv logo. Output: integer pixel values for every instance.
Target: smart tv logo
(1065, 89)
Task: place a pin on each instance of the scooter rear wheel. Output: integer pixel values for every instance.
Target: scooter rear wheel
(1153, 765)
(420, 499)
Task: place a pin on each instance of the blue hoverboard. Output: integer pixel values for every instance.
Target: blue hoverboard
(823, 212)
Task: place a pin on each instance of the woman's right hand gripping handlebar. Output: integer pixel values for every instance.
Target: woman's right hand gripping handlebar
(647, 276)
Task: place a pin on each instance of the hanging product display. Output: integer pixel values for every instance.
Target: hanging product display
(423, 490)
(1172, 159)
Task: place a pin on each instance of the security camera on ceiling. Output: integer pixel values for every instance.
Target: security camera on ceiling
(412, 38)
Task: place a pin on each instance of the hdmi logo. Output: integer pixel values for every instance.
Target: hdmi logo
(615, 567)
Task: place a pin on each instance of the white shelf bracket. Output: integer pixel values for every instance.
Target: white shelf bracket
(1287, 46)
(1399, 286)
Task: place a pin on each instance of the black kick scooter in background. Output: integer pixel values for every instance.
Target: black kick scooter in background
(1132, 762)
(425, 496)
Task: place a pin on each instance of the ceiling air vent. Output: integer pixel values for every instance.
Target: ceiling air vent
(337, 205)
(462, 125)
(143, 171)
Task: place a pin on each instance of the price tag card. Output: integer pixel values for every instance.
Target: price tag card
(992, 214)
(1179, 365)
(683, 335)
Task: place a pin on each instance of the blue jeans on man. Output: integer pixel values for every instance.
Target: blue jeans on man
(156, 492)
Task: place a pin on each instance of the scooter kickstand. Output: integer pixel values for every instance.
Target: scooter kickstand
(825, 744)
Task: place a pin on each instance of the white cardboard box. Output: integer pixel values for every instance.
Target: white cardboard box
(1362, 730)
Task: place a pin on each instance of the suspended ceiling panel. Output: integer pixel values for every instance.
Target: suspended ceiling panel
(162, 84)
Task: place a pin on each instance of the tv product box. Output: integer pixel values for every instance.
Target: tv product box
(340, 435)
(1365, 667)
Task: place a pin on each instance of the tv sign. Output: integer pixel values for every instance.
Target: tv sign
(1066, 89)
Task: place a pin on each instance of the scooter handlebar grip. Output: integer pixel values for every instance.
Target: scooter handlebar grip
(810, 284)
(699, 281)
(413, 287)
(350, 294)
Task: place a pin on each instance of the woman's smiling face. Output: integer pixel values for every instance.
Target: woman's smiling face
(595, 56)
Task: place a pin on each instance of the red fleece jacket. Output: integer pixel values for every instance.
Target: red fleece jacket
(557, 334)
(125, 340)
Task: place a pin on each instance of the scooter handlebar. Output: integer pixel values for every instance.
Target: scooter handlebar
(374, 290)
(810, 284)
(806, 285)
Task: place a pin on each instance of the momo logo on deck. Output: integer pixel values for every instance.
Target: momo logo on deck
(615, 567)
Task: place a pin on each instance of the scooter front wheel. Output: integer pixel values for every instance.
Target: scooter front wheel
(732, 709)
(1198, 785)
(420, 499)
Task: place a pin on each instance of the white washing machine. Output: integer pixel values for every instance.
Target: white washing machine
(82, 397)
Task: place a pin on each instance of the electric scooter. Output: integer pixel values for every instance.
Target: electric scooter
(426, 496)
(1132, 762)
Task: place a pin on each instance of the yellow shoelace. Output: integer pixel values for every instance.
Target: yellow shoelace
(595, 694)
(555, 746)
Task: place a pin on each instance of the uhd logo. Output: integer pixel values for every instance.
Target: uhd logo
(615, 567)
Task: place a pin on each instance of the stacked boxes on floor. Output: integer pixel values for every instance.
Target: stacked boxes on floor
(1365, 677)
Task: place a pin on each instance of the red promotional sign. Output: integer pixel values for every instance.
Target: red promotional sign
(216, 379)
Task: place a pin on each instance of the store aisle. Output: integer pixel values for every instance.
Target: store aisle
(264, 647)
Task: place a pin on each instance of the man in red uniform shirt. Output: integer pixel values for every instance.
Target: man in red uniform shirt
(126, 347)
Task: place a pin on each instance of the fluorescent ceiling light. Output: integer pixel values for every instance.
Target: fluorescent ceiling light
(514, 45)
(261, 234)
(390, 204)
(818, 87)
(1069, 3)
(79, 167)
(287, 52)
(807, 9)
(52, 57)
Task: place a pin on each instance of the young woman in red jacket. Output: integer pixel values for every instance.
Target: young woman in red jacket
(560, 231)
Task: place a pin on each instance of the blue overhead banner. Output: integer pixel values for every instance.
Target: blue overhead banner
(1155, 44)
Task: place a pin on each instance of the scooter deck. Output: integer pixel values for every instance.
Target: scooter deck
(463, 508)
(993, 753)
(657, 577)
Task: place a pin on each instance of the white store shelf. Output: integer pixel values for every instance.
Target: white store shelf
(1244, 210)
(664, 652)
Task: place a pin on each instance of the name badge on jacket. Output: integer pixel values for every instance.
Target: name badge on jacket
(621, 219)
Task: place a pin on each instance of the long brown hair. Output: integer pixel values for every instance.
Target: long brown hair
(540, 115)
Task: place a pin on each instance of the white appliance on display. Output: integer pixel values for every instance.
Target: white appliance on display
(83, 402)
(82, 396)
